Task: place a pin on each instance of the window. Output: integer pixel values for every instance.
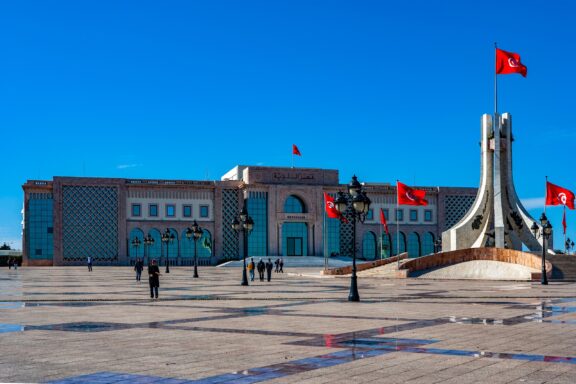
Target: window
(136, 210)
(203, 211)
(294, 204)
(153, 210)
(413, 215)
(38, 252)
(386, 215)
(50, 230)
(187, 211)
(399, 215)
(170, 210)
(370, 215)
(428, 215)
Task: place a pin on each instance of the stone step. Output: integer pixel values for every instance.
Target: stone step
(564, 267)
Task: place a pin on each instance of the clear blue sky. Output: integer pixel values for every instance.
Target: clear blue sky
(188, 89)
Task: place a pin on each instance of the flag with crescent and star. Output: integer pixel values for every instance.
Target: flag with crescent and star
(331, 210)
(509, 62)
(556, 195)
(383, 221)
(410, 196)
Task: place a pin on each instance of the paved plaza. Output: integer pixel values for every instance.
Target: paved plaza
(66, 325)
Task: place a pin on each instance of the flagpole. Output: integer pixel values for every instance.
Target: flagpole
(381, 225)
(564, 228)
(545, 194)
(397, 229)
(495, 82)
(325, 239)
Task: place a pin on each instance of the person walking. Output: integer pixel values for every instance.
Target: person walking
(154, 279)
(269, 267)
(261, 267)
(15, 263)
(281, 265)
(138, 267)
(89, 262)
(277, 265)
(251, 267)
(10, 263)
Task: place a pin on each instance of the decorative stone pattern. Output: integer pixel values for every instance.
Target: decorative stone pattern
(230, 244)
(90, 212)
(456, 208)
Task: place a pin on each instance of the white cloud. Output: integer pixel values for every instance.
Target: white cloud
(533, 202)
(124, 166)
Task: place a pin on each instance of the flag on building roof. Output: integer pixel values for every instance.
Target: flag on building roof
(295, 150)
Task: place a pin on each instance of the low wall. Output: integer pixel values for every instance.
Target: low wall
(444, 259)
(363, 266)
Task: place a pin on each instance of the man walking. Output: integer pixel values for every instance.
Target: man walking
(251, 267)
(138, 267)
(261, 267)
(269, 267)
(89, 261)
(154, 279)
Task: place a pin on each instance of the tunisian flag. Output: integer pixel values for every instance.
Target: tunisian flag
(509, 62)
(331, 210)
(410, 196)
(556, 195)
(383, 221)
(295, 150)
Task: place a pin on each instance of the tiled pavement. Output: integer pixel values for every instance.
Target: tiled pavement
(67, 325)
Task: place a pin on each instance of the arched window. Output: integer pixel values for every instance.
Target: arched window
(428, 243)
(170, 248)
(386, 246)
(294, 204)
(205, 244)
(186, 245)
(413, 245)
(154, 251)
(369, 246)
(402, 244)
(134, 251)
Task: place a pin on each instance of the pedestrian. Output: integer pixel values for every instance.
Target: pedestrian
(154, 279)
(89, 262)
(281, 265)
(9, 263)
(15, 263)
(269, 267)
(277, 265)
(261, 267)
(138, 267)
(251, 267)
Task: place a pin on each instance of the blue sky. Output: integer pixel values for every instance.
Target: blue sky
(188, 89)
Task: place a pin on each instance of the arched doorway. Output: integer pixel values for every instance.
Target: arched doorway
(428, 243)
(414, 245)
(369, 246)
(386, 245)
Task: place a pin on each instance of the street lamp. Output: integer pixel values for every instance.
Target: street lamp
(438, 245)
(136, 243)
(243, 223)
(360, 203)
(546, 232)
(168, 238)
(148, 242)
(569, 245)
(197, 233)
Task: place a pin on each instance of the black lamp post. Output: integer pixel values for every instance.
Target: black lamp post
(245, 224)
(438, 245)
(360, 203)
(148, 242)
(546, 232)
(168, 238)
(569, 245)
(197, 233)
(136, 243)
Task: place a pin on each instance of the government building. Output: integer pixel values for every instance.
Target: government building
(68, 219)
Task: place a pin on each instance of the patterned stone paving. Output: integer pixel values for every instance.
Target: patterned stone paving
(66, 325)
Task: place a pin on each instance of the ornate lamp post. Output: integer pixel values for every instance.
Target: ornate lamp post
(168, 238)
(136, 243)
(569, 244)
(197, 233)
(244, 223)
(360, 203)
(148, 242)
(546, 232)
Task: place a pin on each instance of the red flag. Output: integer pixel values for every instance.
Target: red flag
(295, 150)
(383, 221)
(556, 195)
(330, 207)
(564, 221)
(509, 62)
(410, 196)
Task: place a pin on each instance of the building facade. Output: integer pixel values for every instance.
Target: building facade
(68, 219)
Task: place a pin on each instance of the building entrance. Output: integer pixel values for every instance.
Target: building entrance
(294, 246)
(295, 239)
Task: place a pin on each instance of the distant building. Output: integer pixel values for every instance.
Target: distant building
(70, 218)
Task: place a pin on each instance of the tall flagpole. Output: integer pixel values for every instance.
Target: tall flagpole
(495, 82)
(564, 227)
(397, 228)
(381, 225)
(325, 231)
(545, 194)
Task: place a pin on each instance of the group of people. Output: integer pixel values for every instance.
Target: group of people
(262, 267)
(12, 262)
